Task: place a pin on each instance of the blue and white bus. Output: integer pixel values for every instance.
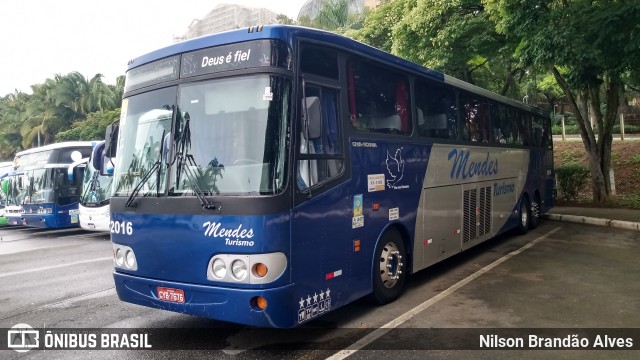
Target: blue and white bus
(96, 191)
(269, 175)
(41, 185)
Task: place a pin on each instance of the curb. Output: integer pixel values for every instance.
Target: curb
(620, 224)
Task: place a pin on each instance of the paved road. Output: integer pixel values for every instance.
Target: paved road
(559, 276)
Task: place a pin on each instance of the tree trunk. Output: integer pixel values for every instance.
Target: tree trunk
(598, 150)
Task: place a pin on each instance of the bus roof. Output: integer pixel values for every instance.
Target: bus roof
(61, 145)
(290, 34)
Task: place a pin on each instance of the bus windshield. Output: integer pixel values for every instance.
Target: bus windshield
(231, 136)
(41, 184)
(146, 120)
(95, 187)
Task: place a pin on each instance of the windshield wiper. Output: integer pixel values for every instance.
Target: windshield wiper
(146, 176)
(185, 158)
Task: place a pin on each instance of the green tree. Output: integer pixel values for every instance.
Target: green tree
(93, 128)
(588, 45)
(456, 37)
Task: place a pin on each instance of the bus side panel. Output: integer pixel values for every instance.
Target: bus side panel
(470, 196)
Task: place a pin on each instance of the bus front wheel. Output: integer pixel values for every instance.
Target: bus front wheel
(389, 270)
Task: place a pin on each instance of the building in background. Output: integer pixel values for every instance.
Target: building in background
(228, 17)
(311, 8)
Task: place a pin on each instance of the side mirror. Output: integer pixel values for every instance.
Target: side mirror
(111, 140)
(71, 173)
(96, 156)
(106, 166)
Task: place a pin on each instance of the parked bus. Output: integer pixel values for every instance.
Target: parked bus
(5, 169)
(40, 184)
(268, 176)
(96, 191)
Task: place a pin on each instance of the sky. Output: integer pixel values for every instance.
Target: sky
(41, 38)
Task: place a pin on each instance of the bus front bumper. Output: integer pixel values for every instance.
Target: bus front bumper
(49, 220)
(225, 304)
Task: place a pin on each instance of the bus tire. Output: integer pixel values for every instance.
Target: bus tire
(534, 219)
(389, 268)
(525, 217)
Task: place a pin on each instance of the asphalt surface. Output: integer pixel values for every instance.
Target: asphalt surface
(562, 275)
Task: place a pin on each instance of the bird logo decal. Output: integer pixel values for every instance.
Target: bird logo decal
(395, 167)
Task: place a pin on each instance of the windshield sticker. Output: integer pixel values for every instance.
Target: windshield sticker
(395, 168)
(268, 95)
(375, 182)
(314, 305)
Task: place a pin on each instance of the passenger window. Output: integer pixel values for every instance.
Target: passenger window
(378, 99)
(436, 111)
(319, 61)
(475, 118)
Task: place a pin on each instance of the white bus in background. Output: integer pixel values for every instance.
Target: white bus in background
(96, 190)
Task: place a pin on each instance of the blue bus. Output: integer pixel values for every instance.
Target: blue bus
(269, 175)
(96, 190)
(41, 185)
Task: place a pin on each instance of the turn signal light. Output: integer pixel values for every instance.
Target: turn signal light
(260, 270)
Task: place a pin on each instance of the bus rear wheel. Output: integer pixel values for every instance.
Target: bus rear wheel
(535, 212)
(389, 269)
(525, 215)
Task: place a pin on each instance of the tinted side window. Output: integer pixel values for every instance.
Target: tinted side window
(436, 111)
(475, 117)
(319, 61)
(378, 99)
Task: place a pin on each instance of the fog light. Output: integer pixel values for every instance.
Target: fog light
(219, 268)
(259, 302)
(239, 269)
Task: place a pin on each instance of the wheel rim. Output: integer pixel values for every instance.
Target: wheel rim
(390, 265)
(535, 209)
(524, 216)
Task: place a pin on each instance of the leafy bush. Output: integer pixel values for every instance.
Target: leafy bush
(571, 179)
(574, 130)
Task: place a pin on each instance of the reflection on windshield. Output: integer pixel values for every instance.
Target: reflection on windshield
(14, 194)
(39, 185)
(231, 136)
(146, 118)
(96, 188)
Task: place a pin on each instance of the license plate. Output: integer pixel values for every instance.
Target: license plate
(91, 226)
(172, 295)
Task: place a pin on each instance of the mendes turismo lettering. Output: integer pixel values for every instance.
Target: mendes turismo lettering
(233, 236)
(461, 167)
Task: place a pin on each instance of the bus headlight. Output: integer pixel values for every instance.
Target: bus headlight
(248, 269)
(239, 269)
(119, 257)
(130, 259)
(124, 257)
(219, 268)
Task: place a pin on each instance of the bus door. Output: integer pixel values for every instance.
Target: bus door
(319, 252)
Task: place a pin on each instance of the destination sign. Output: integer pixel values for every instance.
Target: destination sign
(152, 73)
(245, 55)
